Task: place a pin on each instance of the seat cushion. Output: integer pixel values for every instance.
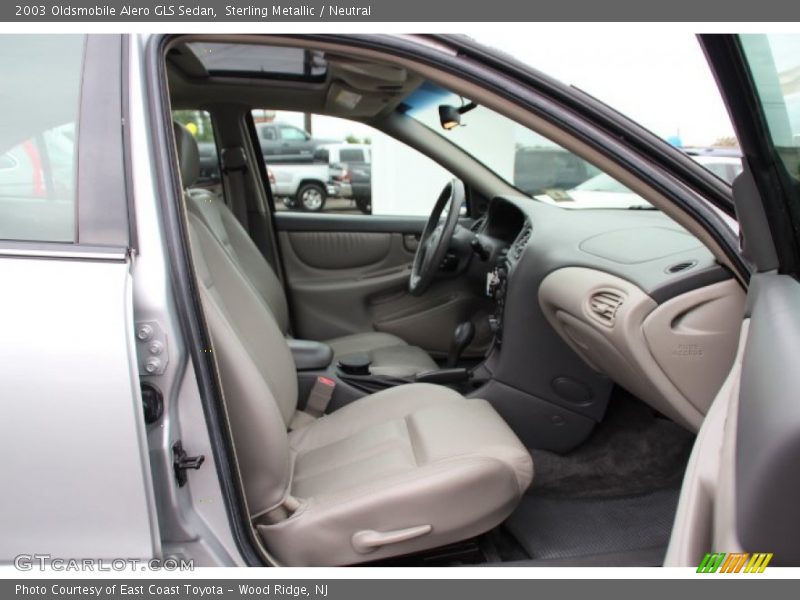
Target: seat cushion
(416, 455)
(388, 354)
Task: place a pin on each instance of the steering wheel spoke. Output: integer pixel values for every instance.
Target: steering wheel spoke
(436, 237)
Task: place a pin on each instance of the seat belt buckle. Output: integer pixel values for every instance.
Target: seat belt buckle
(320, 396)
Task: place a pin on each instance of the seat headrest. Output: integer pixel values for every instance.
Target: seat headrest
(188, 155)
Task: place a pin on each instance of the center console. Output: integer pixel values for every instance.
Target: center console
(350, 378)
(497, 279)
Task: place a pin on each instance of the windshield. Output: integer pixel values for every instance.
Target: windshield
(525, 159)
(533, 163)
(603, 183)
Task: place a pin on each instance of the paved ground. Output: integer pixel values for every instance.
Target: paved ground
(333, 205)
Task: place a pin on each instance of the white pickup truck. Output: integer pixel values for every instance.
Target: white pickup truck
(304, 186)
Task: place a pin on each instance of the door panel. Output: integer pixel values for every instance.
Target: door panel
(428, 321)
(765, 480)
(72, 413)
(340, 250)
(741, 489)
(349, 274)
(332, 293)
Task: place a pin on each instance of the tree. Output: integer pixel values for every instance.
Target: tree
(727, 141)
(352, 139)
(196, 121)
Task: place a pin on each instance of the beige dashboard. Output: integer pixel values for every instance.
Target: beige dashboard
(673, 355)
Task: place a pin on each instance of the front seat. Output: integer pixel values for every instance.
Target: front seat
(407, 469)
(388, 354)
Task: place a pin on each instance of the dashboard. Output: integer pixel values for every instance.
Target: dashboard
(597, 297)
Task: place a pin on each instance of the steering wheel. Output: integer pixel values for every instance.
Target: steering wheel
(436, 236)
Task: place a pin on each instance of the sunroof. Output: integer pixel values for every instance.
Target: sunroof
(253, 59)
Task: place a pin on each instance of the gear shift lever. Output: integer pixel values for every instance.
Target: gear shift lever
(462, 337)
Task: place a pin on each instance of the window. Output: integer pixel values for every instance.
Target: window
(657, 78)
(775, 65)
(346, 167)
(538, 168)
(292, 133)
(322, 155)
(536, 165)
(355, 155)
(267, 133)
(38, 157)
(7, 161)
(259, 60)
(727, 171)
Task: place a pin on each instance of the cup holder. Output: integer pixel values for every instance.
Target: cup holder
(355, 364)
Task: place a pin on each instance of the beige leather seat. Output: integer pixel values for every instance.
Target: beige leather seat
(407, 469)
(389, 355)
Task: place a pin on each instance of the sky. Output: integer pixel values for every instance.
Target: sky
(326, 127)
(660, 80)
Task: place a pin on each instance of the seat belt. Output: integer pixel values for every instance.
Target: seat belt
(316, 404)
(234, 168)
(320, 396)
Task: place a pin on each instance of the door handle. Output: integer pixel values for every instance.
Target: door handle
(411, 242)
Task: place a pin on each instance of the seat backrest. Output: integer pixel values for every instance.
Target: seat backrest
(258, 374)
(224, 225)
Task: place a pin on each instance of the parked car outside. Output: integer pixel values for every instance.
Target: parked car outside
(304, 187)
(279, 142)
(350, 171)
(22, 172)
(537, 169)
(603, 191)
(282, 142)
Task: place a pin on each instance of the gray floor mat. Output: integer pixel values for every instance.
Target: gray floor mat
(554, 528)
(632, 452)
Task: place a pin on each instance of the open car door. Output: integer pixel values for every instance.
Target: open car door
(742, 486)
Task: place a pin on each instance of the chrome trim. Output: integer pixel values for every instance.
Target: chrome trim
(62, 251)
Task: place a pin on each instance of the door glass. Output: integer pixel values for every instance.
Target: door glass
(351, 155)
(774, 62)
(347, 168)
(38, 135)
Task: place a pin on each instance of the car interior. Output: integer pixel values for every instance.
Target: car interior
(502, 381)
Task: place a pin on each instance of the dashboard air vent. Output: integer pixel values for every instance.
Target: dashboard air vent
(478, 224)
(681, 266)
(604, 305)
(522, 239)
